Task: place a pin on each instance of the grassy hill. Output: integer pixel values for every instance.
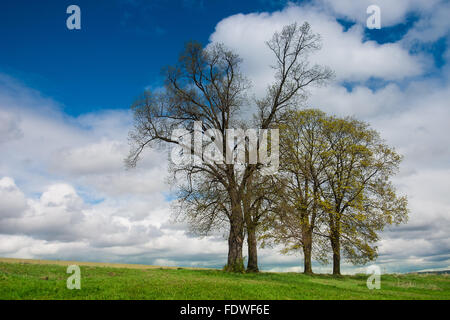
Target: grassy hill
(38, 279)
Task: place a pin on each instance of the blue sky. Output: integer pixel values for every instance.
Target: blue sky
(122, 46)
(120, 49)
(64, 119)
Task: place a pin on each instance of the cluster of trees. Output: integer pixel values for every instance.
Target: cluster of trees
(332, 192)
(333, 189)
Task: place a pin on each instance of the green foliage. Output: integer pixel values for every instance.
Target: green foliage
(334, 183)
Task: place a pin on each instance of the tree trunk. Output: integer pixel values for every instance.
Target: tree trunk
(235, 262)
(336, 264)
(336, 246)
(236, 238)
(307, 251)
(252, 245)
(252, 265)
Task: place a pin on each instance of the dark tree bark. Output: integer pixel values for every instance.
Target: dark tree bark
(336, 246)
(251, 224)
(235, 241)
(235, 261)
(252, 265)
(307, 251)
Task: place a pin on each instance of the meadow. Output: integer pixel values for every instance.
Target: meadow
(27, 279)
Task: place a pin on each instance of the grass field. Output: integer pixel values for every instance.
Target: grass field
(27, 279)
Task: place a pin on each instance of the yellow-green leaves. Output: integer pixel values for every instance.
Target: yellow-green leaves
(337, 175)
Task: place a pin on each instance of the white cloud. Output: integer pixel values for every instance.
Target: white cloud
(12, 200)
(9, 127)
(76, 198)
(60, 219)
(392, 12)
(96, 158)
(346, 52)
(431, 26)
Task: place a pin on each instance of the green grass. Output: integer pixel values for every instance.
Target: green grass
(46, 281)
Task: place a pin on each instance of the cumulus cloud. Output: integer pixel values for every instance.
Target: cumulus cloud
(433, 25)
(59, 219)
(392, 12)
(76, 199)
(95, 158)
(49, 218)
(346, 52)
(12, 200)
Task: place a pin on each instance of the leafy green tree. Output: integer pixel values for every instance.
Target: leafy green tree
(333, 184)
(297, 214)
(359, 197)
